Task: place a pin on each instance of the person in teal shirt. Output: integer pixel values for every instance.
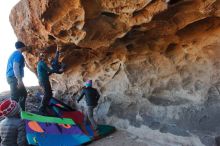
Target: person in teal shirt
(43, 73)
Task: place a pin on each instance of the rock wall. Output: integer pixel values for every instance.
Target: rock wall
(155, 62)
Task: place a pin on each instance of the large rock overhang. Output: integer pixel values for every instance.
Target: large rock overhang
(148, 58)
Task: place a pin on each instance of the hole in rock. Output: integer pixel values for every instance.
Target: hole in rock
(63, 33)
(50, 37)
(130, 46)
(108, 14)
(171, 47)
(109, 53)
(172, 2)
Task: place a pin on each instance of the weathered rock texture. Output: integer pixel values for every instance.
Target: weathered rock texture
(155, 62)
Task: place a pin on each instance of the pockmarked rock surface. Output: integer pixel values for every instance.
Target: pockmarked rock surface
(155, 62)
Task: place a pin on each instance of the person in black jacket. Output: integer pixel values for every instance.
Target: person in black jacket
(92, 97)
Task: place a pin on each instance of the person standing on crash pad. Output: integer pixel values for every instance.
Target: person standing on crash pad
(92, 97)
(43, 72)
(15, 73)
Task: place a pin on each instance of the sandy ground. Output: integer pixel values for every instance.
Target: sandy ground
(119, 138)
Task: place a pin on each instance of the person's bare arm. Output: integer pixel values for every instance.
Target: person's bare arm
(17, 73)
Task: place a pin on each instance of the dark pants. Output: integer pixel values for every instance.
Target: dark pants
(17, 94)
(56, 67)
(89, 114)
(57, 71)
(45, 85)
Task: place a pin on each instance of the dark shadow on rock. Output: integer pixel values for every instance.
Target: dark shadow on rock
(174, 130)
(166, 102)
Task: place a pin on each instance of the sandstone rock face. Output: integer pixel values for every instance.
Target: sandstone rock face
(155, 62)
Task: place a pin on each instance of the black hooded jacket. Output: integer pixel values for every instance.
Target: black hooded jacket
(91, 94)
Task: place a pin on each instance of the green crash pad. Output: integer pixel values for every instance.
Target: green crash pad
(39, 118)
(105, 130)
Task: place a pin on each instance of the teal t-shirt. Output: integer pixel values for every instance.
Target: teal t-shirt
(43, 71)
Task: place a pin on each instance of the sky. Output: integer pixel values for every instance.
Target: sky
(7, 41)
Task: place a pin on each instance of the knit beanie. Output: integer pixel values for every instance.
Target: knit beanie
(19, 45)
(88, 83)
(9, 108)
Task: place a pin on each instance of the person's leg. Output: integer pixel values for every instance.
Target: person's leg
(57, 70)
(60, 71)
(22, 97)
(90, 116)
(63, 65)
(85, 112)
(12, 81)
(47, 95)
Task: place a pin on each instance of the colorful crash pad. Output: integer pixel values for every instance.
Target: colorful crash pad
(57, 107)
(105, 130)
(62, 110)
(39, 118)
(78, 118)
(58, 103)
(51, 131)
(58, 140)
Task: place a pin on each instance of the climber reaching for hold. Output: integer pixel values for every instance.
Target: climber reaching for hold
(43, 73)
(57, 67)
